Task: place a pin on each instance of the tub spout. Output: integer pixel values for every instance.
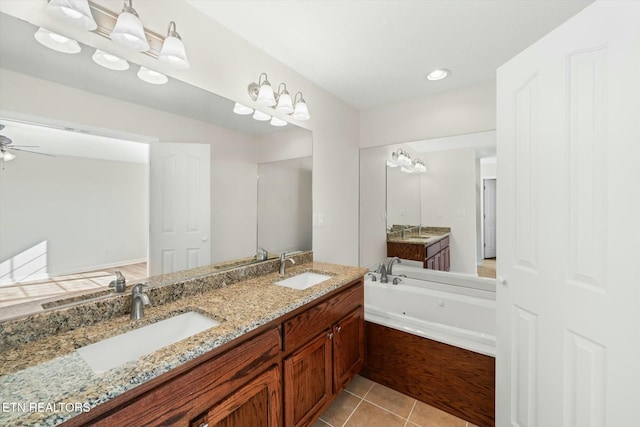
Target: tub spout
(383, 273)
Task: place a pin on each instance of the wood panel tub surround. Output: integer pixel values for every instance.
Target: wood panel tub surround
(245, 381)
(458, 381)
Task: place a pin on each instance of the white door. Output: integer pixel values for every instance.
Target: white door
(489, 208)
(179, 217)
(568, 297)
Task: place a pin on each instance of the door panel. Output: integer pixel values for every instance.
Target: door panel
(568, 303)
(489, 207)
(179, 214)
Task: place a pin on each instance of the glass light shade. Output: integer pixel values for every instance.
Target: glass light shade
(243, 110)
(419, 166)
(259, 115)
(392, 164)
(7, 156)
(301, 111)
(438, 74)
(284, 104)
(109, 61)
(76, 12)
(265, 95)
(173, 53)
(406, 169)
(278, 122)
(151, 76)
(129, 32)
(56, 41)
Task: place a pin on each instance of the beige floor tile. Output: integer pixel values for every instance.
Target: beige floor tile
(391, 400)
(369, 415)
(340, 409)
(427, 416)
(359, 386)
(321, 423)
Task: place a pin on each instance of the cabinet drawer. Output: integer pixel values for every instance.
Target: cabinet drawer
(444, 243)
(410, 251)
(433, 249)
(308, 324)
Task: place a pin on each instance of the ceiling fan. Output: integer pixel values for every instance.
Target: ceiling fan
(6, 144)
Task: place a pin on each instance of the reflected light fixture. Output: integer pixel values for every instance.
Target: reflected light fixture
(419, 166)
(243, 110)
(56, 41)
(129, 30)
(278, 122)
(402, 159)
(285, 105)
(76, 12)
(109, 60)
(260, 116)
(173, 51)
(151, 76)
(438, 74)
(6, 156)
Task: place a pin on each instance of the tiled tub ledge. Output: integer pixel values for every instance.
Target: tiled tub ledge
(44, 368)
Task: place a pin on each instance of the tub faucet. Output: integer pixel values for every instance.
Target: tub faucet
(373, 277)
(283, 262)
(396, 280)
(119, 284)
(138, 300)
(383, 273)
(390, 265)
(261, 255)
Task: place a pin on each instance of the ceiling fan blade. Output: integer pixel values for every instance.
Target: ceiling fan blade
(33, 152)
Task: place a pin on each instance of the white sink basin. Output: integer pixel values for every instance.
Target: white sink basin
(303, 280)
(112, 352)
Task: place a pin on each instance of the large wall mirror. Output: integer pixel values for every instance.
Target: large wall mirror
(114, 167)
(400, 205)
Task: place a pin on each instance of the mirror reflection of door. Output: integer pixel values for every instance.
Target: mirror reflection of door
(489, 208)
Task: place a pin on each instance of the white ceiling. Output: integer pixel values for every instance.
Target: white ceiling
(373, 53)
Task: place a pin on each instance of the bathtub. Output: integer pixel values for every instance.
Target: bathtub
(460, 312)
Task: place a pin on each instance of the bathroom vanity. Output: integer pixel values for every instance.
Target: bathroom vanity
(430, 248)
(279, 356)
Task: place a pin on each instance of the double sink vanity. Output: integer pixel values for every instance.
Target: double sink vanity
(245, 346)
(428, 245)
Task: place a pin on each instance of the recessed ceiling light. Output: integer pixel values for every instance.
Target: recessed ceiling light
(438, 74)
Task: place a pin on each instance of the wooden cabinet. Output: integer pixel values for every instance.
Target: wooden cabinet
(256, 404)
(434, 256)
(285, 373)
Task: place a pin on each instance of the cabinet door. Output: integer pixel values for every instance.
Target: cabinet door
(256, 404)
(446, 259)
(437, 261)
(307, 380)
(430, 263)
(348, 348)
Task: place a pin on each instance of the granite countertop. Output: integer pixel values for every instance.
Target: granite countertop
(419, 236)
(44, 381)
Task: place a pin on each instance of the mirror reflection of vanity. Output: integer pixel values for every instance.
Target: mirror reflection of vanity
(429, 220)
(88, 207)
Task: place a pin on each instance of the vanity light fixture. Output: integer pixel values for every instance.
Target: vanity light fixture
(109, 61)
(173, 51)
(285, 105)
(76, 12)
(419, 166)
(278, 122)
(263, 93)
(260, 116)
(438, 74)
(402, 159)
(151, 76)
(129, 30)
(301, 112)
(56, 41)
(6, 156)
(243, 110)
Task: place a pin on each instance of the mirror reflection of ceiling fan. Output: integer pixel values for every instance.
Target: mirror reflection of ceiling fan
(6, 146)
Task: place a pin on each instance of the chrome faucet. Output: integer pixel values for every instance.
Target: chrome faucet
(390, 265)
(383, 273)
(138, 300)
(119, 284)
(261, 255)
(283, 262)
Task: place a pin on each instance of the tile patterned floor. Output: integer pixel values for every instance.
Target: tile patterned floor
(364, 403)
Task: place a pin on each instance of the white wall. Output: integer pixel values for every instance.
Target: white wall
(403, 197)
(449, 200)
(283, 185)
(224, 63)
(91, 213)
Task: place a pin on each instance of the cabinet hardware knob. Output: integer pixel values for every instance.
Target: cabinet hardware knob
(338, 329)
(204, 425)
(331, 335)
(501, 280)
